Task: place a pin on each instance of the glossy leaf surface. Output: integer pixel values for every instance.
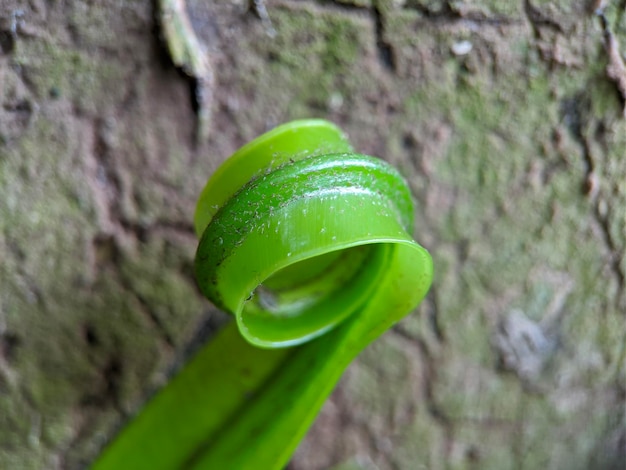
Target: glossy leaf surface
(307, 244)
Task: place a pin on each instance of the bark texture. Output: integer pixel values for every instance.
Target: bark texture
(507, 119)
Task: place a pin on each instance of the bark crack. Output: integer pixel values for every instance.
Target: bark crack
(386, 53)
(450, 14)
(575, 115)
(615, 68)
(538, 19)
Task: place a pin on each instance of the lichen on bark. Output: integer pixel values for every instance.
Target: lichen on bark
(513, 146)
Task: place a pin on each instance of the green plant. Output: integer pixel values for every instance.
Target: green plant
(308, 245)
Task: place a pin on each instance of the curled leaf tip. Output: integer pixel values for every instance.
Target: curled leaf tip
(299, 232)
(308, 245)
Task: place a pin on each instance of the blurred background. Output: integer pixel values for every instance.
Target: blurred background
(506, 118)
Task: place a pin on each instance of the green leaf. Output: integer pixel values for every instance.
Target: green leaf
(307, 244)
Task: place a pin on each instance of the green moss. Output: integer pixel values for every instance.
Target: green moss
(508, 213)
(89, 82)
(384, 362)
(164, 293)
(422, 444)
(358, 3)
(318, 55)
(72, 320)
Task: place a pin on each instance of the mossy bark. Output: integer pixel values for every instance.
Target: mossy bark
(507, 119)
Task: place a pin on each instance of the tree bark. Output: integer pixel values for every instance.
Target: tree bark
(507, 119)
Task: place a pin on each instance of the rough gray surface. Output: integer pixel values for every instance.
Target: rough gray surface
(507, 120)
